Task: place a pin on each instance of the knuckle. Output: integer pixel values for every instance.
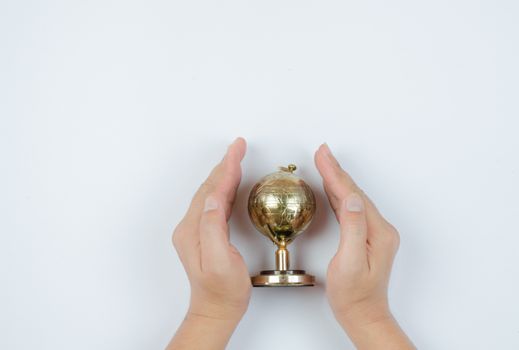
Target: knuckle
(207, 226)
(334, 266)
(175, 241)
(210, 221)
(354, 223)
(348, 182)
(177, 235)
(393, 237)
(353, 228)
(207, 186)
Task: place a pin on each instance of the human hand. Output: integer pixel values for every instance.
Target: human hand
(219, 280)
(358, 274)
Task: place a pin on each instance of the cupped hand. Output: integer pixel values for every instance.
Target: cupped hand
(219, 280)
(358, 274)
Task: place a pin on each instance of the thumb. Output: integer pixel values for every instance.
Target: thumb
(353, 226)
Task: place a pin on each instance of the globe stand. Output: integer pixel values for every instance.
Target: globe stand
(282, 276)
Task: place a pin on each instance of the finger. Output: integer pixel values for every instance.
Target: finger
(354, 233)
(214, 238)
(223, 181)
(338, 184)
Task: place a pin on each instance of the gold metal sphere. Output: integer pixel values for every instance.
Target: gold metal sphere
(281, 205)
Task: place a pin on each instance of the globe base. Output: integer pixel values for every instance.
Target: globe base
(283, 278)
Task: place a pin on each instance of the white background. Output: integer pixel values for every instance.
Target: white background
(113, 113)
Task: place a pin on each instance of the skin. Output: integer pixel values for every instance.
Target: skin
(357, 278)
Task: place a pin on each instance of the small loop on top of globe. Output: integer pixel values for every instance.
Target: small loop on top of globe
(289, 169)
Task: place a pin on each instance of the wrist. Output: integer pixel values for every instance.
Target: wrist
(363, 314)
(381, 334)
(204, 332)
(374, 327)
(209, 322)
(212, 319)
(224, 312)
(355, 327)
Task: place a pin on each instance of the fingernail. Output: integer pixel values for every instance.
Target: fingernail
(326, 149)
(231, 144)
(354, 203)
(210, 203)
(329, 154)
